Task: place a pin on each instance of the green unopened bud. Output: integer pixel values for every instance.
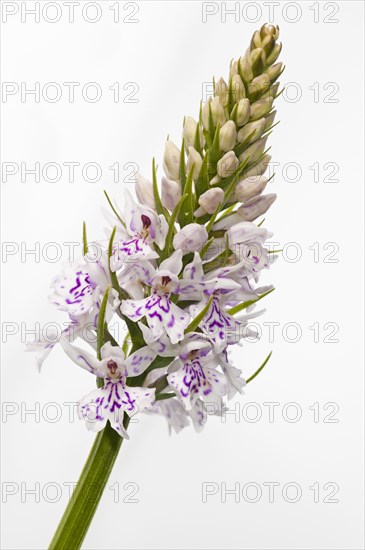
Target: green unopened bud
(237, 88)
(249, 188)
(274, 54)
(217, 112)
(269, 120)
(227, 136)
(171, 160)
(259, 169)
(245, 68)
(268, 44)
(170, 193)
(255, 40)
(257, 61)
(274, 71)
(189, 132)
(254, 151)
(272, 91)
(255, 207)
(258, 86)
(227, 165)
(251, 131)
(269, 30)
(194, 158)
(221, 90)
(243, 112)
(261, 107)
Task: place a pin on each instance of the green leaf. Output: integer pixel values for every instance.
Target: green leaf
(182, 174)
(227, 212)
(211, 123)
(197, 144)
(198, 319)
(159, 206)
(215, 152)
(186, 214)
(159, 362)
(245, 305)
(238, 150)
(167, 251)
(211, 222)
(109, 337)
(113, 276)
(161, 396)
(112, 207)
(160, 384)
(260, 369)
(206, 246)
(202, 183)
(101, 322)
(84, 239)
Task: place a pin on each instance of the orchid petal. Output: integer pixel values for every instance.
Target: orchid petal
(138, 362)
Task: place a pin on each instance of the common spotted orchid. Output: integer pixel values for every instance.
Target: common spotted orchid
(177, 273)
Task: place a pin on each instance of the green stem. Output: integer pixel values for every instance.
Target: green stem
(81, 508)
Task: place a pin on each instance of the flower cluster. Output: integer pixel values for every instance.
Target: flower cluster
(181, 263)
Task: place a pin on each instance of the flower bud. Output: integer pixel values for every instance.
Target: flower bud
(255, 207)
(243, 112)
(254, 151)
(237, 87)
(191, 238)
(171, 160)
(272, 91)
(227, 165)
(261, 107)
(210, 200)
(214, 181)
(249, 187)
(221, 90)
(217, 112)
(272, 57)
(189, 132)
(268, 44)
(255, 40)
(194, 158)
(144, 191)
(170, 193)
(259, 169)
(270, 120)
(257, 61)
(227, 136)
(258, 86)
(269, 30)
(274, 71)
(245, 68)
(251, 131)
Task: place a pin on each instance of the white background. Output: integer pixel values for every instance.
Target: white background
(170, 53)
